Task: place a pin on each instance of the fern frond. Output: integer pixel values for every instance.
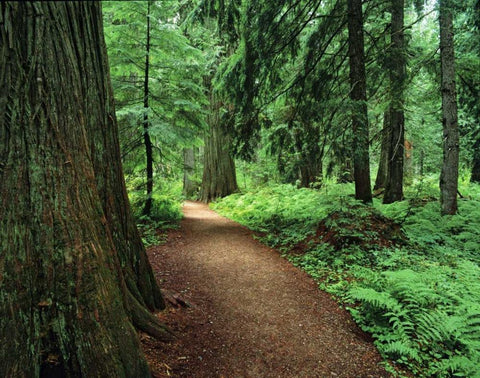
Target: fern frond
(375, 299)
(397, 349)
(456, 366)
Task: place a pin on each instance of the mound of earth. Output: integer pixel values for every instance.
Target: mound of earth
(364, 228)
(360, 227)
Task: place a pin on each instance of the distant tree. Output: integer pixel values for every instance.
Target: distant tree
(449, 174)
(475, 95)
(382, 170)
(189, 186)
(74, 276)
(467, 49)
(217, 22)
(358, 95)
(219, 174)
(475, 176)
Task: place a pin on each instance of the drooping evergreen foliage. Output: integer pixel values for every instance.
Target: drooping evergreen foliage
(176, 99)
(279, 74)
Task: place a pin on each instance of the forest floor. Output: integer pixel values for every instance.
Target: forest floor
(241, 310)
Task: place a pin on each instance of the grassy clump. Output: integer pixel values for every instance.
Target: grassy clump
(409, 276)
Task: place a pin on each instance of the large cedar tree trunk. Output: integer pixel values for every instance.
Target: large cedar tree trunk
(219, 175)
(397, 72)
(74, 277)
(358, 95)
(449, 175)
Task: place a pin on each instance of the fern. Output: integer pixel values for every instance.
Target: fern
(420, 301)
(455, 366)
(401, 351)
(430, 325)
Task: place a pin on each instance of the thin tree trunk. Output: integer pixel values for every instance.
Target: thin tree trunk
(476, 163)
(449, 175)
(73, 273)
(189, 187)
(311, 166)
(384, 148)
(394, 183)
(358, 95)
(475, 177)
(146, 123)
(421, 163)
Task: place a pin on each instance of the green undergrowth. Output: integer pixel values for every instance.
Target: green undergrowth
(165, 214)
(409, 276)
(282, 214)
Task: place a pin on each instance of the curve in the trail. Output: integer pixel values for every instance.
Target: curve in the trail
(252, 313)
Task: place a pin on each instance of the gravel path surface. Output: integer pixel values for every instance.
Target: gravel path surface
(240, 310)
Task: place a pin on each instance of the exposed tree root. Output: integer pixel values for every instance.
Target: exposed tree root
(146, 322)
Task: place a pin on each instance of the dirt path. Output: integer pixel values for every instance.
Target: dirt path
(251, 314)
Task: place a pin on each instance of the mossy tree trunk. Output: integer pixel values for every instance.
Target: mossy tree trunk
(310, 156)
(397, 73)
(74, 277)
(358, 95)
(449, 175)
(476, 162)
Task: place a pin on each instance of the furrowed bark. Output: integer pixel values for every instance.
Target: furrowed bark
(68, 240)
(449, 175)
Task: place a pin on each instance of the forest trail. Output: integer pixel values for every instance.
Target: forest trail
(248, 312)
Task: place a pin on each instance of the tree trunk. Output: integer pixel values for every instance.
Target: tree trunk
(310, 174)
(384, 148)
(397, 71)
(408, 162)
(449, 175)
(476, 162)
(358, 95)
(74, 277)
(421, 162)
(475, 177)
(146, 123)
(219, 176)
(189, 186)
(311, 165)
(309, 154)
